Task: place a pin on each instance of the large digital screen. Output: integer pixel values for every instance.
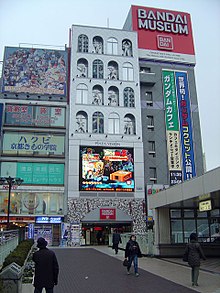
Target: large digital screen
(35, 71)
(106, 169)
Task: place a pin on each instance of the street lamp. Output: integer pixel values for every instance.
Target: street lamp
(10, 181)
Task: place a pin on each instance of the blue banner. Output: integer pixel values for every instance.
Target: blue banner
(185, 125)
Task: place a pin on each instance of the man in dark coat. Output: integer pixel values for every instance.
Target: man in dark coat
(116, 239)
(194, 252)
(132, 252)
(46, 268)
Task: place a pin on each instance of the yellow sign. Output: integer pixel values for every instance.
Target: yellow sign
(205, 205)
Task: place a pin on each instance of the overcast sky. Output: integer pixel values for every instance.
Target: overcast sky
(47, 22)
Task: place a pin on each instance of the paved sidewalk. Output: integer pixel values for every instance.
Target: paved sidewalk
(106, 274)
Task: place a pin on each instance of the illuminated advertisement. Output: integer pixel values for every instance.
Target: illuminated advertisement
(27, 115)
(172, 127)
(185, 125)
(35, 71)
(106, 169)
(163, 34)
(23, 143)
(35, 173)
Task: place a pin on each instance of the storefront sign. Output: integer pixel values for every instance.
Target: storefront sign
(107, 214)
(48, 220)
(205, 205)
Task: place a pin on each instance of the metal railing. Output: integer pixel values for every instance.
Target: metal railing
(8, 242)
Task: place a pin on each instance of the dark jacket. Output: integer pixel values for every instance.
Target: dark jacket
(132, 248)
(116, 238)
(194, 252)
(46, 268)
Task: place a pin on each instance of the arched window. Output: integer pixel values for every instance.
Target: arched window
(83, 43)
(128, 72)
(127, 48)
(98, 45)
(113, 70)
(129, 124)
(81, 122)
(113, 96)
(129, 97)
(82, 94)
(97, 122)
(112, 46)
(97, 95)
(97, 69)
(113, 123)
(82, 68)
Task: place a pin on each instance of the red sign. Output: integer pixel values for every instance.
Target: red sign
(18, 219)
(163, 34)
(107, 214)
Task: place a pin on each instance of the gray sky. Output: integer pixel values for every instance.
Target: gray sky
(47, 22)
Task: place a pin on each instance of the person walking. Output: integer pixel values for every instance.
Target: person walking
(116, 239)
(46, 268)
(194, 252)
(132, 252)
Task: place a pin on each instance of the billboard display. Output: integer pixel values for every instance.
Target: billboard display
(106, 169)
(35, 71)
(39, 116)
(163, 34)
(35, 173)
(23, 143)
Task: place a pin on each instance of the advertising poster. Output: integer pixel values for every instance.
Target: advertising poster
(106, 169)
(35, 71)
(41, 116)
(185, 125)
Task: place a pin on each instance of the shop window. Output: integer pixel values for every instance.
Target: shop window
(189, 226)
(128, 72)
(188, 213)
(81, 122)
(176, 231)
(112, 70)
(98, 45)
(113, 96)
(98, 69)
(114, 123)
(112, 46)
(98, 122)
(97, 95)
(129, 124)
(129, 97)
(82, 68)
(175, 213)
(82, 94)
(203, 230)
(83, 43)
(126, 48)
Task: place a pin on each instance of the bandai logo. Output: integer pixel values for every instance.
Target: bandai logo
(165, 43)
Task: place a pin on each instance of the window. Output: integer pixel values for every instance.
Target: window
(112, 70)
(83, 43)
(112, 46)
(81, 122)
(97, 95)
(128, 72)
(150, 122)
(149, 99)
(151, 148)
(98, 122)
(98, 45)
(113, 95)
(113, 123)
(97, 69)
(82, 68)
(129, 124)
(145, 69)
(126, 48)
(129, 97)
(153, 175)
(81, 94)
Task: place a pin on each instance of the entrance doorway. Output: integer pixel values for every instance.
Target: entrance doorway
(98, 233)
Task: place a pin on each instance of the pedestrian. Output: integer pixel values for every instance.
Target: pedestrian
(132, 252)
(194, 252)
(116, 239)
(46, 268)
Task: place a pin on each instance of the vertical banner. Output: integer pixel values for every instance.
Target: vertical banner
(185, 125)
(172, 127)
(1, 118)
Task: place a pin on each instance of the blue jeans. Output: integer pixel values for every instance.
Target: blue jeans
(134, 259)
(39, 290)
